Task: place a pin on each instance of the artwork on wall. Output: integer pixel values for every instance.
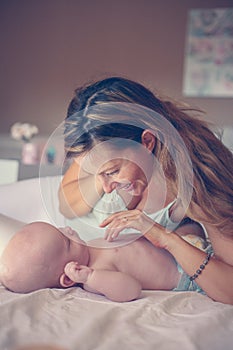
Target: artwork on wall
(208, 62)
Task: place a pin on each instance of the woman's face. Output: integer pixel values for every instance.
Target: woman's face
(126, 169)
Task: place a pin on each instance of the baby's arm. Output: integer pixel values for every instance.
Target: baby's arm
(117, 286)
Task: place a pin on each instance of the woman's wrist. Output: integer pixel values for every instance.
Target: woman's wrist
(173, 242)
(161, 238)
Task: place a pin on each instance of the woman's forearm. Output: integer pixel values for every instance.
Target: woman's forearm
(78, 193)
(217, 277)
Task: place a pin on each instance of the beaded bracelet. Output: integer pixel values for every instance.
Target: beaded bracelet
(201, 268)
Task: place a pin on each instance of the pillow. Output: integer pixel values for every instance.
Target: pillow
(8, 226)
(31, 200)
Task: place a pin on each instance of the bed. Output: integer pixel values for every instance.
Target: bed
(74, 319)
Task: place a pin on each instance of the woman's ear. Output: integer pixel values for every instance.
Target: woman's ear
(148, 140)
(65, 281)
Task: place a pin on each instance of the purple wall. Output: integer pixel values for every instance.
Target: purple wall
(50, 47)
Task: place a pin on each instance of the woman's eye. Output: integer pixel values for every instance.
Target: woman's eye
(112, 173)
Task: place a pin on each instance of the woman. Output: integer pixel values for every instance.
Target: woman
(158, 157)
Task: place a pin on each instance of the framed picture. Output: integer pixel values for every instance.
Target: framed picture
(208, 61)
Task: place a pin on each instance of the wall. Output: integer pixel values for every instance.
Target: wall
(50, 47)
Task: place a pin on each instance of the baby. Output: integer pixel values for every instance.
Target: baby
(40, 256)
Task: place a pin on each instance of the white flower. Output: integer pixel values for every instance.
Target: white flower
(23, 131)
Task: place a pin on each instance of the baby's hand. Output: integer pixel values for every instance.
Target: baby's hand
(77, 273)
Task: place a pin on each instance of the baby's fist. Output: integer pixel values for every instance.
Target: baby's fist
(77, 273)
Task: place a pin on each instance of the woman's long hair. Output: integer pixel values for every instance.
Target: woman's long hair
(90, 121)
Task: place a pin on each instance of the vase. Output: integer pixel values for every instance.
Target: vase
(29, 153)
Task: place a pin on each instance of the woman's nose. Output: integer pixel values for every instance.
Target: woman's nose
(108, 185)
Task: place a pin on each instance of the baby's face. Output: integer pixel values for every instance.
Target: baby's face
(71, 235)
(65, 245)
(36, 256)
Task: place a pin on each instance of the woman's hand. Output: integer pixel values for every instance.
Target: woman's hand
(136, 219)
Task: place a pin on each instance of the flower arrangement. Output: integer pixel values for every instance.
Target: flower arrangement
(23, 131)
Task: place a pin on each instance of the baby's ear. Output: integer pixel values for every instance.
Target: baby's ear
(65, 281)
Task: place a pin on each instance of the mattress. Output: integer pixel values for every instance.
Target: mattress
(74, 319)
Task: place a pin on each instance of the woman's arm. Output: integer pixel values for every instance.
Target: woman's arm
(217, 277)
(116, 286)
(78, 192)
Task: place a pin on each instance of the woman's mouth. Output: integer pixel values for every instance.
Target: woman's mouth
(129, 187)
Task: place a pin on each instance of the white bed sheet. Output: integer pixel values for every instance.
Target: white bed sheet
(77, 320)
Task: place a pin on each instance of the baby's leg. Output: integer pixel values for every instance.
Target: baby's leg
(189, 226)
(193, 233)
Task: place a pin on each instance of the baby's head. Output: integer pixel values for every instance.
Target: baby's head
(36, 256)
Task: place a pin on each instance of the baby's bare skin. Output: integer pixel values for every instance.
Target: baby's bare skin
(140, 260)
(50, 257)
